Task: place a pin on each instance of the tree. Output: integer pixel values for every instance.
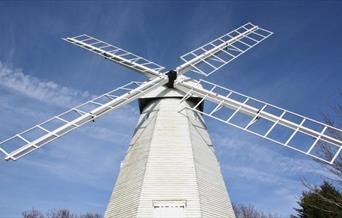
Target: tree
(91, 215)
(59, 213)
(242, 211)
(320, 202)
(326, 200)
(327, 151)
(33, 213)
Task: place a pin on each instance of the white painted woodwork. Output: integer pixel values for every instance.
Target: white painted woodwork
(170, 169)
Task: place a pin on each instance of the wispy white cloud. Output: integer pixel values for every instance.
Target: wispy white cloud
(75, 149)
(258, 155)
(51, 95)
(46, 91)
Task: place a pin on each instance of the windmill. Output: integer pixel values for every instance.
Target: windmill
(170, 168)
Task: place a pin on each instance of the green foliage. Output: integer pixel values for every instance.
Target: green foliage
(324, 201)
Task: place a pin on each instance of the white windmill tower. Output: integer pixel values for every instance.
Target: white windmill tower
(170, 169)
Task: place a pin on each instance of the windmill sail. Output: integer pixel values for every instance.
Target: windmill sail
(55, 127)
(171, 165)
(212, 56)
(289, 129)
(117, 55)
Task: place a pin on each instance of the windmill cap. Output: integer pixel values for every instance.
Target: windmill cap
(165, 92)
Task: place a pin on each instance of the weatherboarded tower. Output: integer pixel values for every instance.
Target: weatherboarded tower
(170, 169)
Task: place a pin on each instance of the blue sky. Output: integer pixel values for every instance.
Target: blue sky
(298, 68)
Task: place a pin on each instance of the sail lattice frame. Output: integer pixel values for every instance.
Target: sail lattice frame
(116, 54)
(57, 126)
(281, 126)
(212, 56)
